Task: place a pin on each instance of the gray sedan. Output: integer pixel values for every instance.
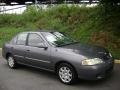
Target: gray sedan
(56, 52)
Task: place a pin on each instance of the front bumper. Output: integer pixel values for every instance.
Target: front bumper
(97, 71)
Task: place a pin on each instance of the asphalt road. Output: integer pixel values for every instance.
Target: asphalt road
(26, 78)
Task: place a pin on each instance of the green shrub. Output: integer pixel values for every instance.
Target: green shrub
(87, 25)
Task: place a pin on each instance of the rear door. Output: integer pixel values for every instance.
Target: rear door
(19, 49)
(37, 56)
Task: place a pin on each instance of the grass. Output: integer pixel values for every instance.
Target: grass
(6, 35)
(87, 25)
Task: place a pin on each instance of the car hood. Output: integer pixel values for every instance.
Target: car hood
(86, 50)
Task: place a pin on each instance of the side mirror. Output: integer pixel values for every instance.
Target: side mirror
(42, 45)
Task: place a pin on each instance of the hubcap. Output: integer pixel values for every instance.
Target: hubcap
(65, 74)
(11, 62)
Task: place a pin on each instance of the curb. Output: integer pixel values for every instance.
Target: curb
(0, 52)
(116, 61)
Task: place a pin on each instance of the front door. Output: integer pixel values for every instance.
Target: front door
(37, 56)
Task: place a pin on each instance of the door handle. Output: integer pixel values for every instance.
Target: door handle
(12, 47)
(28, 50)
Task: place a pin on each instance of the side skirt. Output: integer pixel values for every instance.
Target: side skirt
(36, 67)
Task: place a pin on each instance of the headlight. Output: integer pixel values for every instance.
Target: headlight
(110, 54)
(93, 61)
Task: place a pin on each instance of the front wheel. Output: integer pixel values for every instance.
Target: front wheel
(11, 62)
(66, 74)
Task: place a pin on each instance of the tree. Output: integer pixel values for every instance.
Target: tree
(110, 2)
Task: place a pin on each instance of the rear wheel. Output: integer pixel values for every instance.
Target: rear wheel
(11, 62)
(66, 73)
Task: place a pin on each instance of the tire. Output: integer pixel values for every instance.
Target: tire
(11, 62)
(66, 74)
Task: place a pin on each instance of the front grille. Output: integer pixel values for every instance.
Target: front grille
(106, 56)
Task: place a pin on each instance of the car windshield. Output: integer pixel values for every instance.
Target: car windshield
(58, 39)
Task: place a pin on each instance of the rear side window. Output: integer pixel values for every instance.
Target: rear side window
(14, 40)
(21, 40)
(34, 39)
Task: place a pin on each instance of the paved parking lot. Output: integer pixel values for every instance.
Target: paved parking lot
(26, 78)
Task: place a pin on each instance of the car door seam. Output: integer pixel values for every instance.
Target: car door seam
(19, 56)
(37, 60)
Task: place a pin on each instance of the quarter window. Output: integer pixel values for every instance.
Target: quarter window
(21, 39)
(34, 40)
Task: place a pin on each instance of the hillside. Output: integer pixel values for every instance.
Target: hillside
(87, 25)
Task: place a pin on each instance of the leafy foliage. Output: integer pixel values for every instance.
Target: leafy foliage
(87, 25)
(110, 2)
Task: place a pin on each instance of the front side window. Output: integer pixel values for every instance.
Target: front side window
(34, 40)
(21, 40)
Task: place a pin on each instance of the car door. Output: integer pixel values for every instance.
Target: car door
(37, 56)
(19, 48)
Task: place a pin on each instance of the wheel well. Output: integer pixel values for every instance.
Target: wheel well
(58, 63)
(7, 55)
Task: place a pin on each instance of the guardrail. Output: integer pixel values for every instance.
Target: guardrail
(29, 2)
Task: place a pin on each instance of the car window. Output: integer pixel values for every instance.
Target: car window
(14, 40)
(58, 39)
(34, 40)
(21, 40)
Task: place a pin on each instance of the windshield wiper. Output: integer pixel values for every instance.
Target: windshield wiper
(67, 44)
